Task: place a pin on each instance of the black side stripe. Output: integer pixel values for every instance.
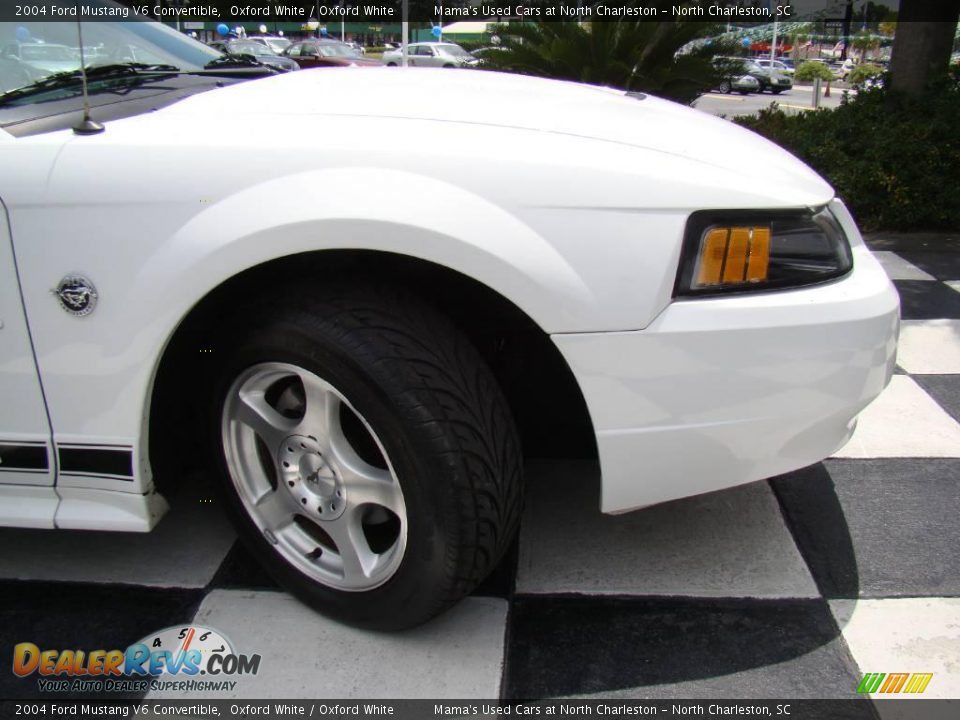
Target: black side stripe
(20, 457)
(113, 462)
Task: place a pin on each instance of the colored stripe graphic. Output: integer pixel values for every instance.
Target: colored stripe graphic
(894, 683)
(918, 682)
(870, 682)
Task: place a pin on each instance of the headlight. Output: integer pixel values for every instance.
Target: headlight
(752, 250)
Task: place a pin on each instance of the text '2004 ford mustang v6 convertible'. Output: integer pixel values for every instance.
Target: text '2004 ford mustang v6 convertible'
(360, 297)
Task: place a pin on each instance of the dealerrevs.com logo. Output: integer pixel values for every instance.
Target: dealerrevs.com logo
(173, 659)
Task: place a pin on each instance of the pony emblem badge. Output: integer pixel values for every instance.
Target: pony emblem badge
(77, 295)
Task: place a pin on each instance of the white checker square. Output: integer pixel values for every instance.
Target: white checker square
(899, 269)
(929, 347)
(904, 421)
(305, 655)
(905, 635)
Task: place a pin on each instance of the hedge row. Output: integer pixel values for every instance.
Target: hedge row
(894, 160)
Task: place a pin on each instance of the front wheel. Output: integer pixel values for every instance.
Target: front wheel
(367, 455)
(725, 87)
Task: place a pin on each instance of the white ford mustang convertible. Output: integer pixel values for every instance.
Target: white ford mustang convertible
(358, 298)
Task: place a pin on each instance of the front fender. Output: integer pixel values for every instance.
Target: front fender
(154, 257)
(333, 209)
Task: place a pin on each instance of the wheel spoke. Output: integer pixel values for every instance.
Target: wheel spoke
(273, 509)
(365, 483)
(355, 553)
(368, 484)
(321, 410)
(297, 539)
(255, 412)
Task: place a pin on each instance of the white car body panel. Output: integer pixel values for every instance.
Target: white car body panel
(163, 207)
(721, 391)
(22, 410)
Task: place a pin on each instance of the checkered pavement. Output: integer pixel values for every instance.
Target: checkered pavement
(791, 587)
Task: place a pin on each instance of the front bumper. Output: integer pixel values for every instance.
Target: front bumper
(723, 391)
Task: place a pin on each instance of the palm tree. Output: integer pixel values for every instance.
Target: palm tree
(670, 59)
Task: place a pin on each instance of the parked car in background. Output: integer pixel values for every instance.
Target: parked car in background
(743, 84)
(275, 42)
(432, 54)
(734, 76)
(46, 57)
(776, 66)
(260, 51)
(326, 53)
(769, 79)
(484, 54)
(15, 74)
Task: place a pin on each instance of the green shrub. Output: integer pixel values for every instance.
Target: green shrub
(811, 70)
(861, 73)
(894, 160)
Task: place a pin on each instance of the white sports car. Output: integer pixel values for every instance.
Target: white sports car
(359, 298)
(431, 54)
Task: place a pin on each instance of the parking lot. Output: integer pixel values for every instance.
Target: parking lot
(798, 99)
(791, 587)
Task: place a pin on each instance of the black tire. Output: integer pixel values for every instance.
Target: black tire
(776, 91)
(391, 64)
(725, 87)
(442, 421)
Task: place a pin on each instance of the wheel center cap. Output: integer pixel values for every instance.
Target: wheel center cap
(310, 479)
(315, 471)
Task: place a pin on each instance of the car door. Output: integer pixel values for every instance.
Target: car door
(305, 54)
(434, 59)
(26, 453)
(423, 56)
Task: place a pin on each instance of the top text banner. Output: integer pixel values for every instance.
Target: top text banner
(437, 11)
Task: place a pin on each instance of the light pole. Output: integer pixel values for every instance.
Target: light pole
(404, 32)
(773, 43)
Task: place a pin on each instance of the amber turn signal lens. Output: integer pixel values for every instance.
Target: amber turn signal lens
(733, 256)
(737, 251)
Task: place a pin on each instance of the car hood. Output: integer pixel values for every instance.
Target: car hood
(521, 102)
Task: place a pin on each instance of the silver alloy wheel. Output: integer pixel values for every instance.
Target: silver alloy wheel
(314, 477)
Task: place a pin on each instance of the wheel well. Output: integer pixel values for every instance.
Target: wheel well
(543, 395)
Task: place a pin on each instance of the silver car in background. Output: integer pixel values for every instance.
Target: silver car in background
(775, 66)
(432, 54)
